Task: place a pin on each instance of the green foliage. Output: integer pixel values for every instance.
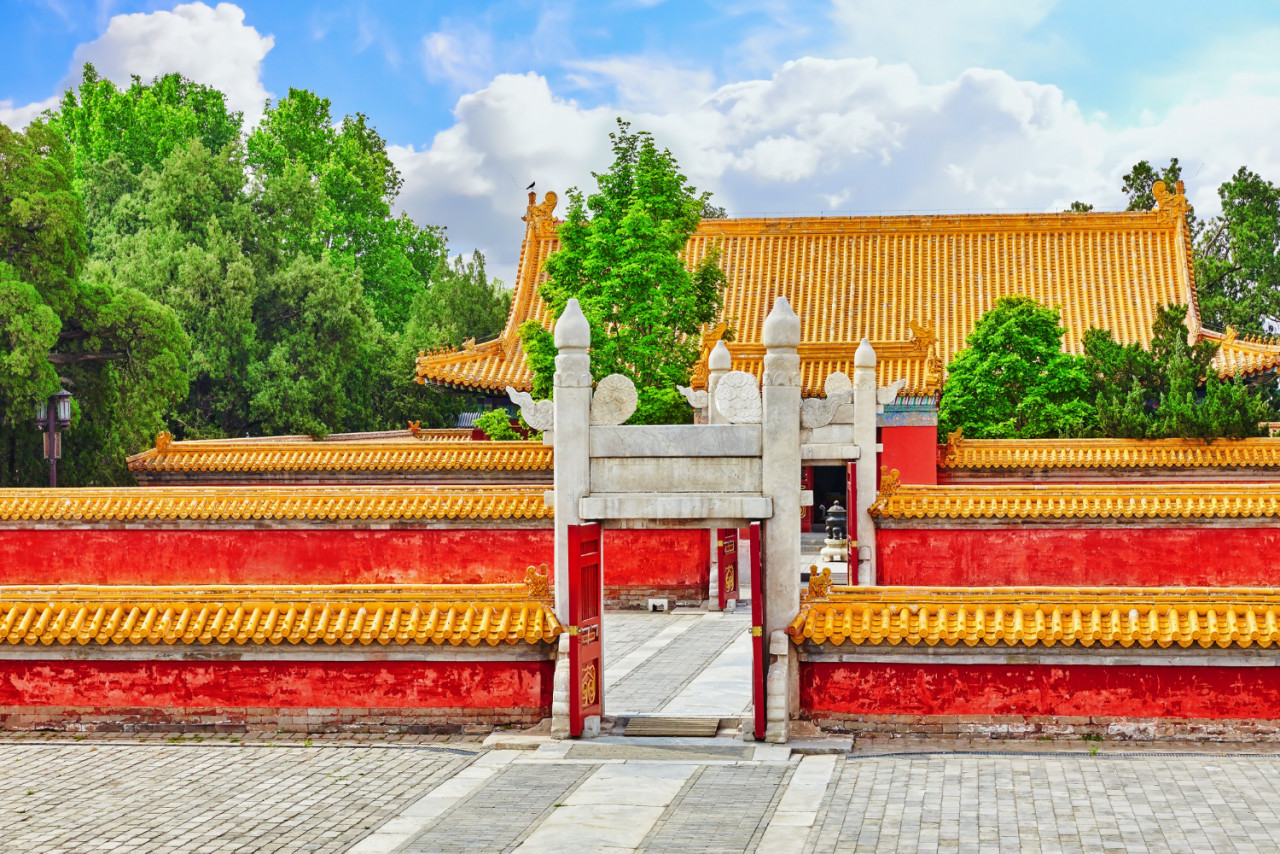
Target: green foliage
(462, 302)
(1013, 380)
(1170, 390)
(1238, 256)
(1078, 207)
(123, 354)
(620, 257)
(496, 424)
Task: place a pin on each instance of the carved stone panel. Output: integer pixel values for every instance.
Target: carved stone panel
(538, 414)
(738, 398)
(614, 400)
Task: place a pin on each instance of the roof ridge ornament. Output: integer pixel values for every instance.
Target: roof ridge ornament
(1170, 205)
(541, 216)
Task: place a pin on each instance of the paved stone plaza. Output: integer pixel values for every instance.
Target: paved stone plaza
(373, 794)
(224, 797)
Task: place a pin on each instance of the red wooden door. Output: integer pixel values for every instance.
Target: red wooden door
(759, 659)
(727, 564)
(586, 672)
(806, 513)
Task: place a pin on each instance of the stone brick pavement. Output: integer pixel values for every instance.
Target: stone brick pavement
(115, 796)
(650, 683)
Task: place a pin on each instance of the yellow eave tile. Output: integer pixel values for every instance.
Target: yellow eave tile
(961, 453)
(385, 503)
(1079, 501)
(1027, 616)
(334, 614)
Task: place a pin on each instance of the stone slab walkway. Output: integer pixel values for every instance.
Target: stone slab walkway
(60, 796)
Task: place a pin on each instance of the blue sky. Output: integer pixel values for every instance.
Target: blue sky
(778, 107)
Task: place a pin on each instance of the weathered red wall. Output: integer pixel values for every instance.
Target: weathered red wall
(334, 556)
(913, 451)
(1101, 555)
(833, 688)
(279, 684)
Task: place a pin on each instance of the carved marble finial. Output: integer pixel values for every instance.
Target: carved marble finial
(738, 398)
(538, 414)
(537, 579)
(865, 355)
(720, 360)
(888, 394)
(818, 412)
(781, 327)
(614, 400)
(696, 399)
(572, 330)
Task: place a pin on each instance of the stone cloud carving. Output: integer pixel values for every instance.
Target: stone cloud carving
(614, 400)
(538, 414)
(738, 398)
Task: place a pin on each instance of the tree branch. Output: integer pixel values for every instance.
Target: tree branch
(79, 358)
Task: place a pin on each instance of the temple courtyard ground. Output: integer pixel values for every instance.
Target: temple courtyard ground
(505, 791)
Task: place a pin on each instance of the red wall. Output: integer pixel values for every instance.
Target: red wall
(913, 451)
(333, 556)
(832, 689)
(278, 684)
(1103, 555)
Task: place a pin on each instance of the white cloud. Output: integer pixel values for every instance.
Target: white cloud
(19, 117)
(459, 56)
(211, 45)
(820, 134)
(939, 38)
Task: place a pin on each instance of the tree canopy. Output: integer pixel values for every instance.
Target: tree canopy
(177, 274)
(620, 256)
(1014, 381)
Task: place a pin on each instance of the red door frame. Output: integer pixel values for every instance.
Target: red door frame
(759, 660)
(586, 592)
(727, 564)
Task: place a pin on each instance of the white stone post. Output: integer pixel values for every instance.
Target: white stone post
(572, 437)
(719, 363)
(781, 482)
(864, 434)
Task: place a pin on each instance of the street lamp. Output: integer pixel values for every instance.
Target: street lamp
(52, 416)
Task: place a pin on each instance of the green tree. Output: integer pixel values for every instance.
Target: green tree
(122, 353)
(1078, 207)
(1170, 390)
(356, 183)
(462, 302)
(620, 256)
(1013, 380)
(1238, 256)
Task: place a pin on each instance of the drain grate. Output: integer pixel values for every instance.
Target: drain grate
(660, 726)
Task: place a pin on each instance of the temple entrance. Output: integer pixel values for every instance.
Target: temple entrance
(686, 671)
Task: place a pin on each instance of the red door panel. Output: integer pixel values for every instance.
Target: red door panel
(586, 672)
(727, 564)
(759, 661)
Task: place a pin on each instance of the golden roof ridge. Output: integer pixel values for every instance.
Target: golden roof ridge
(962, 453)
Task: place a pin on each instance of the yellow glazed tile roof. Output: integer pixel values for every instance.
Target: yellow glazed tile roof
(961, 453)
(883, 277)
(1077, 501)
(244, 503)
(338, 614)
(1161, 617)
(401, 455)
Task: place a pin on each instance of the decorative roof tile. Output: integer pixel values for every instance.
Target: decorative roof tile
(387, 503)
(880, 277)
(345, 614)
(399, 455)
(1075, 501)
(1161, 617)
(961, 453)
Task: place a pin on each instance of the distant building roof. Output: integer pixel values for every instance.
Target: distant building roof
(914, 285)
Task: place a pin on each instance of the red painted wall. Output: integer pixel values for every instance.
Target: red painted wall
(278, 684)
(333, 556)
(1102, 555)
(913, 451)
(1085, 690)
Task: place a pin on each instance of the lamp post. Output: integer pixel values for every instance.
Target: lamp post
(53, 416)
